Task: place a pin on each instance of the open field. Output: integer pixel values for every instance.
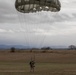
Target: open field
(53, 62)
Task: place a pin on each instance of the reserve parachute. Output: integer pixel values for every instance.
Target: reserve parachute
(27, 6)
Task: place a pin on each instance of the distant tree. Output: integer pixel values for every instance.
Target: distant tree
(72, 47)
(48, 48)
(45, 49)
(13, 49)
(31, 50)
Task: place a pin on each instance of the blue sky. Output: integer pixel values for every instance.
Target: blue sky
(38, 29)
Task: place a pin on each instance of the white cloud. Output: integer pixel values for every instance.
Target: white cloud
(3, 30)
(6, 31)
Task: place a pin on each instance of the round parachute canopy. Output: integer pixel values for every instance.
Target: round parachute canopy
(27, 6)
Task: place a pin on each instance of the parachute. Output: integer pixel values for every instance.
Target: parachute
(27, 6)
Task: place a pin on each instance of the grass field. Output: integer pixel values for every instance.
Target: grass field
(56, 62)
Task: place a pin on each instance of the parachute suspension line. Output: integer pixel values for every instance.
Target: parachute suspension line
(27, 31)
(35, 36)
(44, 38)
(40, 38)
(21, 26)
(33, 56)
(30, 34)
(31, 40)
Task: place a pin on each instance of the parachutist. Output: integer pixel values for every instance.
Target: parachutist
(32, 65)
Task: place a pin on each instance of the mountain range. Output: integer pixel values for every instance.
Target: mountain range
(25, 47)
(9, 46)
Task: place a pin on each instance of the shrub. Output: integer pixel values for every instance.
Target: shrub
(12, 49)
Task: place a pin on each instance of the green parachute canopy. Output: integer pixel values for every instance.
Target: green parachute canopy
(27, 6)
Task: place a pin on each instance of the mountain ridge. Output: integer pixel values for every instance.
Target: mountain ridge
(25, 47)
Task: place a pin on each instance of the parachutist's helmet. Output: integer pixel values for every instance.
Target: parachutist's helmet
(26, 6)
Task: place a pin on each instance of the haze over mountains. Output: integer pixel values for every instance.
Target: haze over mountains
(9, 46)
(25, 47)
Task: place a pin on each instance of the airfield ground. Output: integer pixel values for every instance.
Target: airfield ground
(52, 62)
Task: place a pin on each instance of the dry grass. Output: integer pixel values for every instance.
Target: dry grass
(53, 62)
